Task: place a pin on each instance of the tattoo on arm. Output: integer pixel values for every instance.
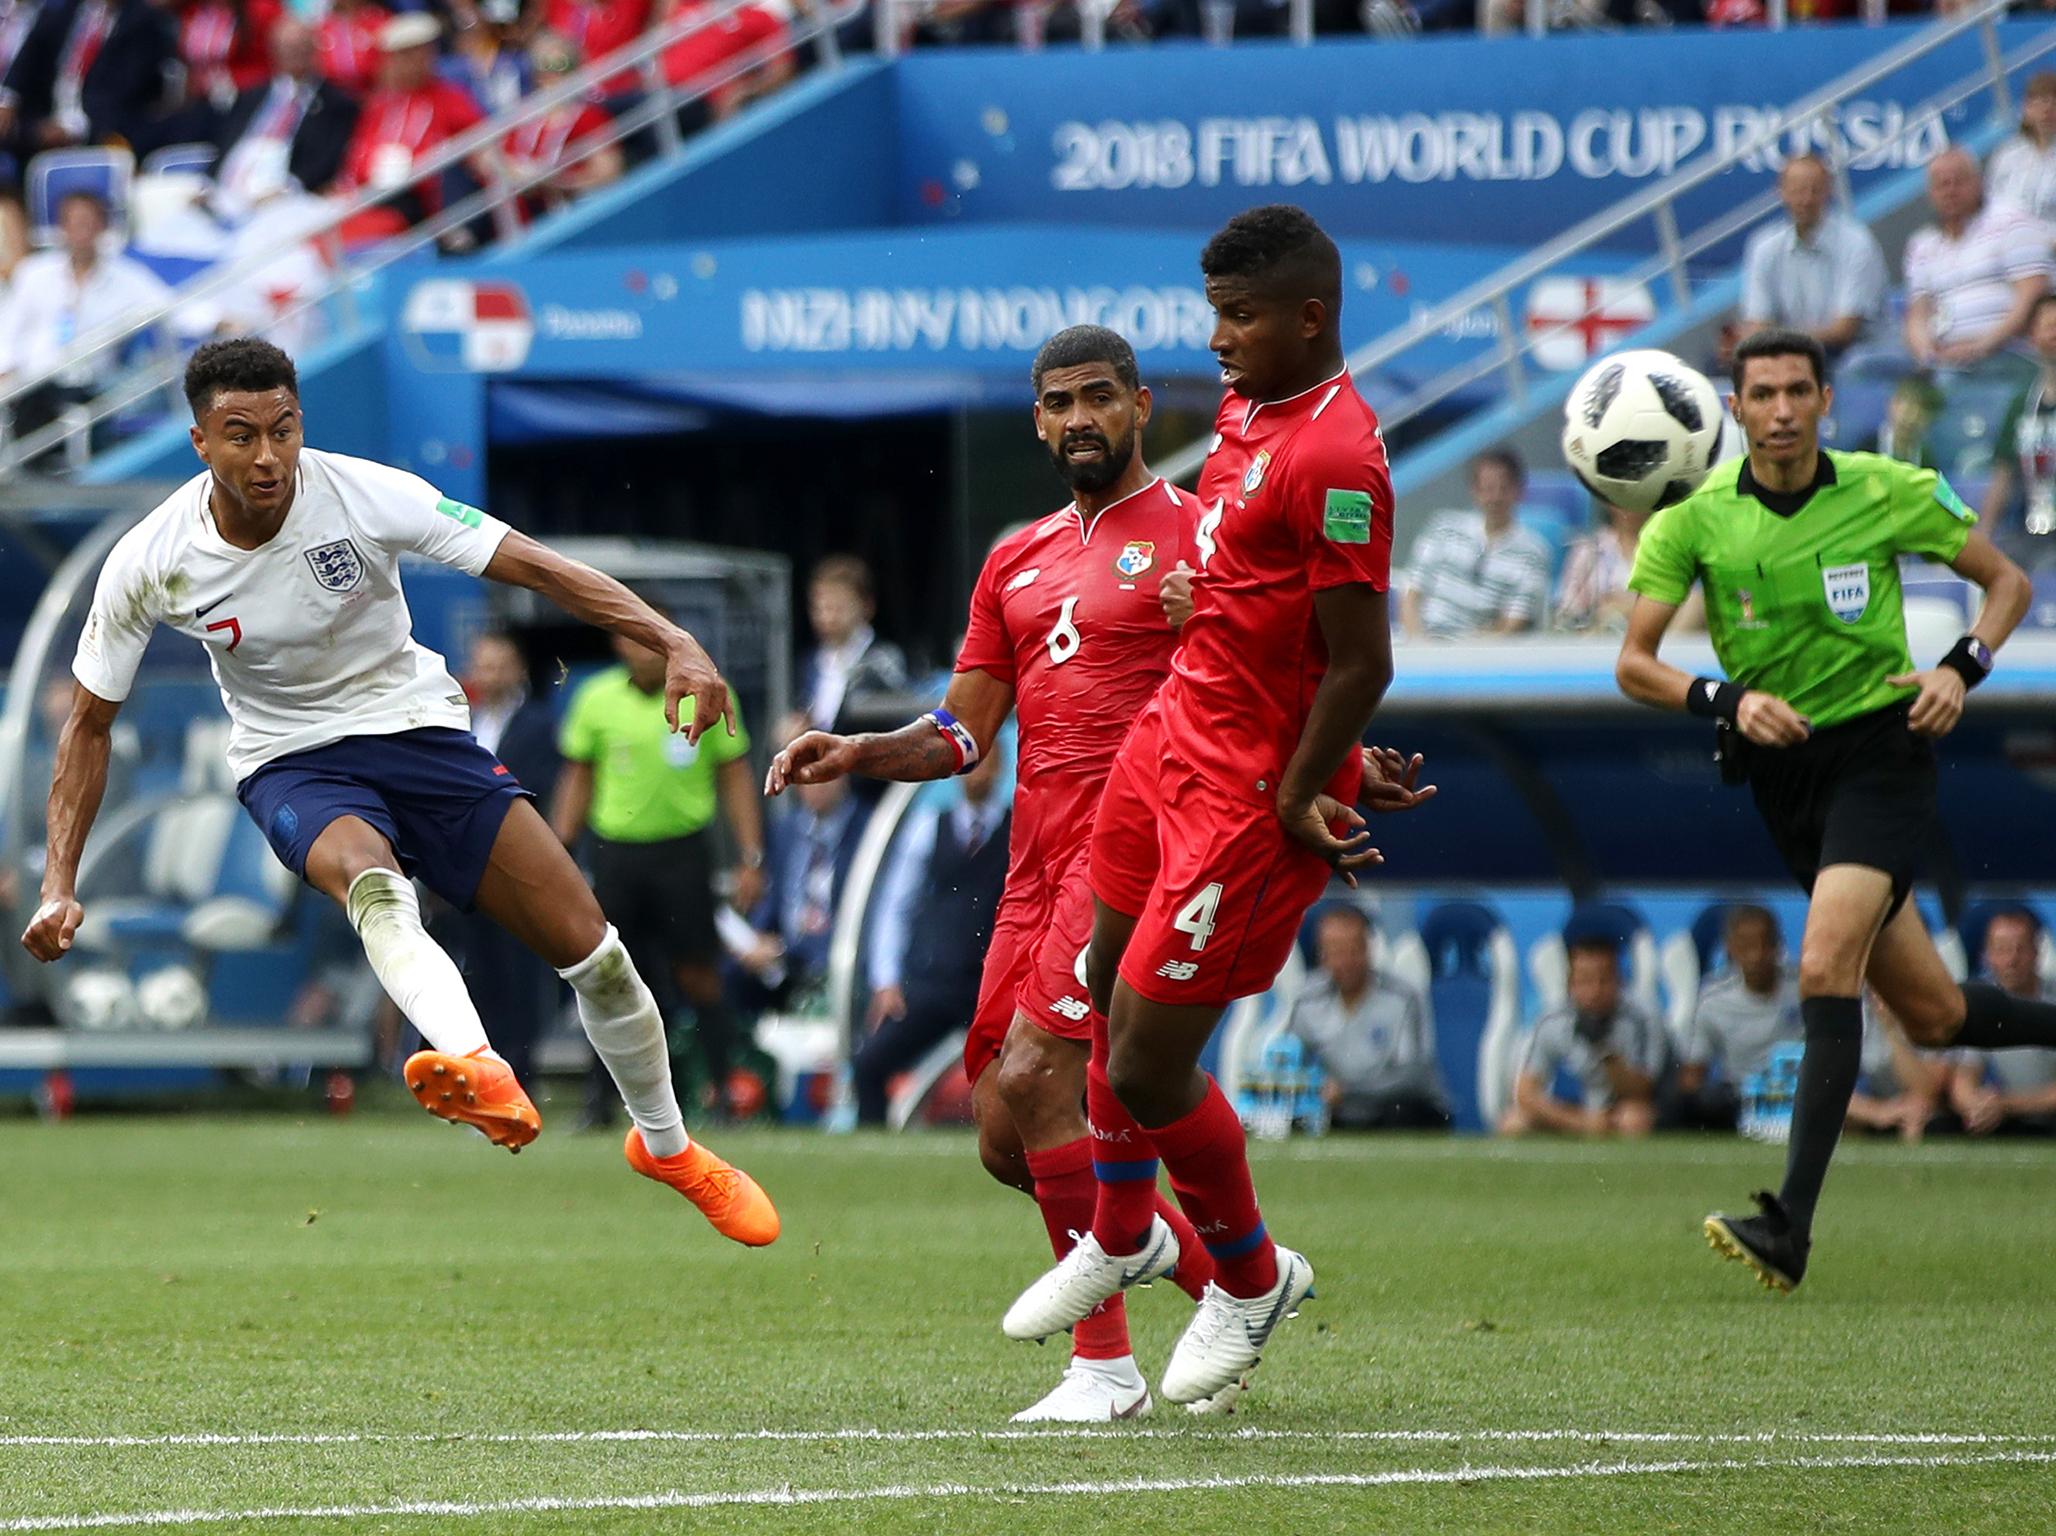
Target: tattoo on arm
(911, 753)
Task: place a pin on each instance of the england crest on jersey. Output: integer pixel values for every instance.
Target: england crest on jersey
(338, 566)
(1138, 557)
(1848, 590)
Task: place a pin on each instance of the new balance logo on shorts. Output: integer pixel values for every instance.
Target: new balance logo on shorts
(1179, 970)
(1072, 1008)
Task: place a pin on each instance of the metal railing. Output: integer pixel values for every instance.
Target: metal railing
(497, 197)
(1495, 293)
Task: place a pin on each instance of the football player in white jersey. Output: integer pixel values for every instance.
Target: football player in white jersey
(352, 747)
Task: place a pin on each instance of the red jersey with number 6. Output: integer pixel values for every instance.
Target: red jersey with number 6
(1068, 612)
(1297, 498)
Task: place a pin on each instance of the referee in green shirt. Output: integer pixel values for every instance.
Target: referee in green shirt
(1798, 551)
(648, 796)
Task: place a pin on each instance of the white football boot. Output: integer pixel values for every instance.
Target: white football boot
(1085, 1277)
(1093, 1392)
(1226, 1336)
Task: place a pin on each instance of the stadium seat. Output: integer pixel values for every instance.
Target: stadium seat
(180, 160)
(57, 172)
(1474, 990)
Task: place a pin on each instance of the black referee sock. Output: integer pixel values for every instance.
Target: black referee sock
(1995, 1020)
(1827, 1077)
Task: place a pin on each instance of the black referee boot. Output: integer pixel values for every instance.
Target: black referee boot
(1766, 1243)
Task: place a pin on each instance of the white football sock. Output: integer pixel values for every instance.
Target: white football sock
(621, 1019)
(1122, 1370)
(411, 966)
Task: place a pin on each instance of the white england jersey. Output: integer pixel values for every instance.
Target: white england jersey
(309, 636)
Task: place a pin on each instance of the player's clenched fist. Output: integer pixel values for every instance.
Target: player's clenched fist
(815, 758)
(1770, 722)
(50, 931)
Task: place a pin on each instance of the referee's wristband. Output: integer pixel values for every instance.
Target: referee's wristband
(1970, 659)
(1712, 699)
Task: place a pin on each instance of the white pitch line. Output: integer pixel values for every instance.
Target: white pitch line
(1195, 1435)
(758, 1497)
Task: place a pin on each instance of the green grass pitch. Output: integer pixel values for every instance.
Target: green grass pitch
(392, 1326)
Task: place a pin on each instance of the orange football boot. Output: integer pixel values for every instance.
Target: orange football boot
(478, 1091)
(726, 1196)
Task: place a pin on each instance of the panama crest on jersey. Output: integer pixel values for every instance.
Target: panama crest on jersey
(338, 566)
(1137, 557)
(1253, 477)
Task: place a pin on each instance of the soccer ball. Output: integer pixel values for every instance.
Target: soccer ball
(171, 998)
(1641, 429)
(99, 999)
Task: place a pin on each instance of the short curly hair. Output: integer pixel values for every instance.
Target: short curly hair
(1076, 345)
(240, 364)
(1280, 250)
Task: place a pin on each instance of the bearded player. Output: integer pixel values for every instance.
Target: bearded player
(1067, 626)
(352, 749)
(1219, 825)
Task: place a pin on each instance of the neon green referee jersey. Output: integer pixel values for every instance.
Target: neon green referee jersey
(649, 782)
(1806, 606)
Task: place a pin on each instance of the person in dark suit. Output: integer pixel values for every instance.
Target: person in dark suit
(929, 940)
(296, 116)
(808, 857)
(848, 660)
(515, 992)
(89, 72)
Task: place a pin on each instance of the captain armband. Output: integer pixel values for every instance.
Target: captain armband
(959, 737)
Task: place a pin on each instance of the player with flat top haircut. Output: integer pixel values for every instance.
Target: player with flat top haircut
(1068, 627)
(1823, 715)
(1231, 801)
(352, 748)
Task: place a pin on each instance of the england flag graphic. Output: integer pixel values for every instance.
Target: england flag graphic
(457, 325)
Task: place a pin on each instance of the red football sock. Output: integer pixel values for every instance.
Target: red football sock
(1123, 1158)
(1065, 1192)
(1195, 1264)
(1209, 1166)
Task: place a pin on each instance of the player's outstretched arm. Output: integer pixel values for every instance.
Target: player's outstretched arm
(1357, 626)
(932, 747)
(600, 600)
(76, 785)
(1764, 718)
(1943, 687)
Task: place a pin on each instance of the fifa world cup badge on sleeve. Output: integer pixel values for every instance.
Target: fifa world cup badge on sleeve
(1347, 517)
(468, 516)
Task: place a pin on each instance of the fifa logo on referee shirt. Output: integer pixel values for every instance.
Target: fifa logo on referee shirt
(1848, 590)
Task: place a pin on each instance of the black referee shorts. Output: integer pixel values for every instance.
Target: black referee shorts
(660, 896)
(1862, 792)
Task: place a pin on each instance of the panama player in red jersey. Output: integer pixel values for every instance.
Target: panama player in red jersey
(1232, 800)
(1068, 628)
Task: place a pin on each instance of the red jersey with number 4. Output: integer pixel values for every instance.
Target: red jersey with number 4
(1068, 612)
(1297, 498)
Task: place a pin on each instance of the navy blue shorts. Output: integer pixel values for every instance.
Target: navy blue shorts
(435, 794)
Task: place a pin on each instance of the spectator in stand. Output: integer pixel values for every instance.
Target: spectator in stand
(489, 59)
(224, 47)
(403, 122)
(1972, 275)
(58, 296)
(1593, 592)
(1900, 1089)
(2009, 1091)
(1819, 272)
(1611, 1046)
(1480, 572)
(2024, 453)
(1910, 414)
(1743, 1013)
(596, 28)
(782, 947)
(848, 659)
(1369, 1032)
(89, 71)
(348, 40)
(14, 237)
(2022, 171)
(295, 122)
(928, 940)
(545, 142)
(703, 58)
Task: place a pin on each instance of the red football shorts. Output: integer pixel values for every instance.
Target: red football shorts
(1217, 889)
(1035, 964)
